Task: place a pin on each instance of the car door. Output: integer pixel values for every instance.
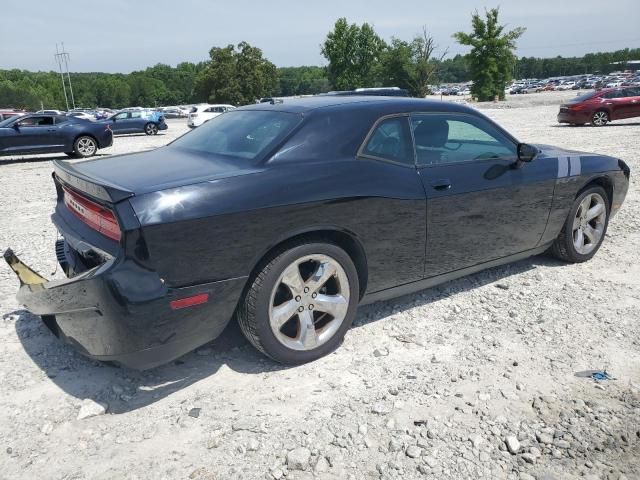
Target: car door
(481, 204)
(400, 220)
(136, 122)
(119, 123)
(631, 102)
(616, 103)
(32, 134)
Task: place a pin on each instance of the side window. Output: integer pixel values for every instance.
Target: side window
(391, 140)
(615, 94)
(121, 116)
(136, 114)
(36, 122)
(442, 138)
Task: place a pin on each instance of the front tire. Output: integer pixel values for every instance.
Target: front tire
(301, 304)
(585, 228)
(85, 147)
(599, 118)
(151, 129)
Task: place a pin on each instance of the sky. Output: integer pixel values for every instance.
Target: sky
(127, 35)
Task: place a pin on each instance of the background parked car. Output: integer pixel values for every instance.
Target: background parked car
(83, 115)
(51, 112)
(42, 133)
(9, 113)
(171, 112)
(201, 113)
(601, 107)
(137, 121)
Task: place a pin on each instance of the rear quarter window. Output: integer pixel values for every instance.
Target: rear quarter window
(328, 134)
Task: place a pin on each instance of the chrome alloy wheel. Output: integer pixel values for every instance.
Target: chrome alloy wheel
(600, 118)
(86, 146)
(589, 222)
(309, 302)
(151, 129)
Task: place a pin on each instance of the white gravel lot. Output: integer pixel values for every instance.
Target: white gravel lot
(471, 379)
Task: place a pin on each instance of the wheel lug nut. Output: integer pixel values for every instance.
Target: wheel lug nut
(298, 298)
(301, 309)
(314, 295)
(311, 307)
(306, 289)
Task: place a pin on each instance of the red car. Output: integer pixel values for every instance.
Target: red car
(601, 107)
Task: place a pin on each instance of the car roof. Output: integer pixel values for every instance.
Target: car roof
(356, 102)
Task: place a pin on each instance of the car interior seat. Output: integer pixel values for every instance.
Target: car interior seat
(431, 136)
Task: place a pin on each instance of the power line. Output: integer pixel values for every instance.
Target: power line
(62, 58)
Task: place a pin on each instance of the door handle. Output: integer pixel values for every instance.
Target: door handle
(51, 129)
(441, 184)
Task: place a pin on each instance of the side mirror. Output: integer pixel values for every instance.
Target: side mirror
(526, 152)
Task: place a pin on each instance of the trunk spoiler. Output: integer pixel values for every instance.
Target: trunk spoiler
(70, 175)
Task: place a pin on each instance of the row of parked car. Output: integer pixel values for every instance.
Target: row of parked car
(53, 131)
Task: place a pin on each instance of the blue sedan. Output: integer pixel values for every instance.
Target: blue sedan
(137, 121)
(43, 133)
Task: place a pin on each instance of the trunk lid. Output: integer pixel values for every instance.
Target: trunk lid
(116, 178)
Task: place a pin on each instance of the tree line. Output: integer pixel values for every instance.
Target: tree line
(357, 57)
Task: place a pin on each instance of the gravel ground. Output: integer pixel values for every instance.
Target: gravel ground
(471, 379)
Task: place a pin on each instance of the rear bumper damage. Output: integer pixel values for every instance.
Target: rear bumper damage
(122, 313)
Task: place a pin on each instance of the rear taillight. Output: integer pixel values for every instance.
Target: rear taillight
(96, 216)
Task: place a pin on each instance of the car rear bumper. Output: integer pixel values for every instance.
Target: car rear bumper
(162, 126)
(123, 313)
(106, 140)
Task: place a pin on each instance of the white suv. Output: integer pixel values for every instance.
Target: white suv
(201, 113)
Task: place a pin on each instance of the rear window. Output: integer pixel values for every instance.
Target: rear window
(245, 134)
(582, 98)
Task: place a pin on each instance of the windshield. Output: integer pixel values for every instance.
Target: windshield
(246, 134)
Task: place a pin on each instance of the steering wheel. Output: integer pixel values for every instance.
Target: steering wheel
(453, 149)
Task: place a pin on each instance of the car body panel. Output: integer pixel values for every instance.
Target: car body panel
(192, 227)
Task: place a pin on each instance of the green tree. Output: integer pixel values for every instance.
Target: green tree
(353, 53)
(397, 66)
(491, 59)
(236, 76)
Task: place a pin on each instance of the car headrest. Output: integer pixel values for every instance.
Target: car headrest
(431, 132)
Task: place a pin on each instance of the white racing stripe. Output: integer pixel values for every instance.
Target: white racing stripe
(576, 166)
(569, 166)
(563, 167)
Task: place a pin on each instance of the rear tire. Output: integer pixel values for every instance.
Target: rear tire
(599, 118)
(151, 129)
(583, 231)
(85, 147)
(278, 315)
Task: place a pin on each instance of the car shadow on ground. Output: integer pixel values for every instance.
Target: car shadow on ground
(608, 125)
(126, 390)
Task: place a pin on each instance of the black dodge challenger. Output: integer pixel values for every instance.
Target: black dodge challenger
(287, 216)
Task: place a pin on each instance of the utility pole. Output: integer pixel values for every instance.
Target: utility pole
(62, 58)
